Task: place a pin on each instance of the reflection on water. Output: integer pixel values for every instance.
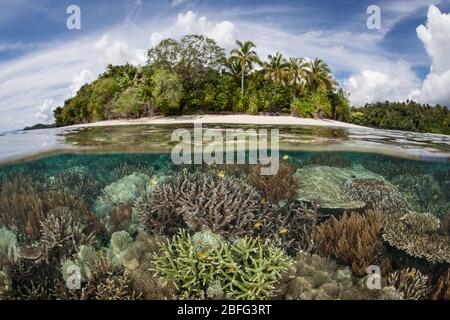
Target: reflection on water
(157, 138)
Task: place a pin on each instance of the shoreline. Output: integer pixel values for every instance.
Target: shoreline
(220, 119)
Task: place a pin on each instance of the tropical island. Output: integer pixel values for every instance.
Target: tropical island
(194, 76)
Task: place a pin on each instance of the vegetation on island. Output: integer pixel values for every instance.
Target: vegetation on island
(194, 75)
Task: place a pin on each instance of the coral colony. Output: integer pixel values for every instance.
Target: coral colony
(136, 226)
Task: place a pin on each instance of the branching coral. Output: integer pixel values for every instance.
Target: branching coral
(317, 278)
(62, 234)
(445, 225)
(353, 239)
(244, 269)
(411, 282)
(23, 206)
(5, 285)
(76, 182)
(8, 246)
(198, 201)
(378, 195)
(390, 168)
(417, 234)
(442, 288)
(125, 169)
(423, 194)
(275, 188)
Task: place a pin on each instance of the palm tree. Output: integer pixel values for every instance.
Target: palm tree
(276, 68)
(297, 72)
(318, 74)
(245, 56)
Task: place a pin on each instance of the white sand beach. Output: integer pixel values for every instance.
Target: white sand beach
(223, 119)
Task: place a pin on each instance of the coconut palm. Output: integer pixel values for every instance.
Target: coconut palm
(245, 56)
(297, 72)
(318, 74)
(276, 68)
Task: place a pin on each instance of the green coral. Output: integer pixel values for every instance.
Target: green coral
(247, 268)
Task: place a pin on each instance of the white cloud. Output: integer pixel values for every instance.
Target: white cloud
(176, 3)
(392, 83)
(45, 113)
(80, 79)
(435, 36)
(191, 23)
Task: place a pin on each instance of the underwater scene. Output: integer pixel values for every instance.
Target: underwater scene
(328, 225)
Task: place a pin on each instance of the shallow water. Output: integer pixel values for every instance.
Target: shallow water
(123, 178)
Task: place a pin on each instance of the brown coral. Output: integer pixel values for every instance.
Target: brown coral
(378, 195)
(442, 288)
(411, 282)
(353, 239)
(445, 225)
(197, 201)
(274, 188)
(418, 235)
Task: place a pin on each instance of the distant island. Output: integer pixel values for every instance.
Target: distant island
(40, 126)
(194, 75)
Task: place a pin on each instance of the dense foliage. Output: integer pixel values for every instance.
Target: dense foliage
(194, 75)
(408, 115)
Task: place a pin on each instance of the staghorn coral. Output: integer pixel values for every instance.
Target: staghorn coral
(378, 195)
(390, 168)
(418, 235)
(327, 159)
(125, 169)
(62, 234)
(23, 205)
(411, 283)
(244, 269)
(9, 250)
(442, 177)
(442, 287)
(423, 194)
(289, 227)
(324, 185)
(76, 182)
(225, 205)
(353, 239)
(445, 225)
(277, 187)
(318, 278)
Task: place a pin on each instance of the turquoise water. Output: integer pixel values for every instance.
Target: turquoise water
(100, 221)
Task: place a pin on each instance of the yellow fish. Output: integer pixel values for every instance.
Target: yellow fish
(154, 181)
(202, 255)
(232, 270)
(269, 268)
(263, 200)
(285, 157)
(257, 225)
(221, 174)
(283, 231)
(411, 274)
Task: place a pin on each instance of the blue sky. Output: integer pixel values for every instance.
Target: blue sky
(42, 63)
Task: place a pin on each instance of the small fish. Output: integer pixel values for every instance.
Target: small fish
(263, 200)
(285, 157)
(411, 274)
(154, 181)
(269, 268)
(257, 225)
(202, 255)
(221, 174)
(231, 270)
(283, 231)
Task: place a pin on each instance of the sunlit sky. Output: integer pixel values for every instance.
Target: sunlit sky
(42, 63)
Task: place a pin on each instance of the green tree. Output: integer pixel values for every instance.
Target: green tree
(318, 74)
(246, 57)
(276, 68)
(167, 91)
(296, 68)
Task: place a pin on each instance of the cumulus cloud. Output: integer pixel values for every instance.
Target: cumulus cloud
(80, 79)
(45, 113)
(435, 35)
(118, 52)
(191, 23)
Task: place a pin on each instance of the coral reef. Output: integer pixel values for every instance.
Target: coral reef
(442, 177)
(329, 159)
(418, 235)
(317, 278)
(325, 186)
(76, 182)
(126, 169)
(5, 285)
(197, 201)
(442, 288)
(423, 194)
(244, 269)
(62, 234)
(8, 246)
(376, 194)
(275, 188)
(445, 225)
(390, 168)
(353, 239)
(411, 283)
